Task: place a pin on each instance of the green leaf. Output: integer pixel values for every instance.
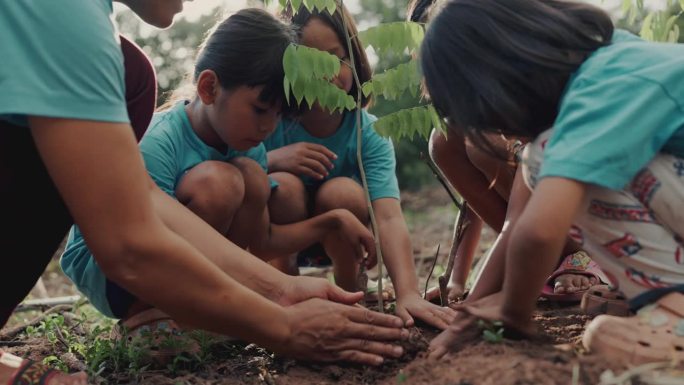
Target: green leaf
(290, 63)
(393, 37)
(492, 337)
(296, 4)
(367, 88)
(331, 6)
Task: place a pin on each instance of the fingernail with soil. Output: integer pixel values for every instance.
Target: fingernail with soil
(398, 351)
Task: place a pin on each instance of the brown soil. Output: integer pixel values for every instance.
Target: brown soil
(554, 358)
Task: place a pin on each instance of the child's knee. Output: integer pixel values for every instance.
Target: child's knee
(257, 187)
(212, 186)
(288, 202)
(342, 193)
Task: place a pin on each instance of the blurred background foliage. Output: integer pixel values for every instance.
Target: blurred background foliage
(173, 50)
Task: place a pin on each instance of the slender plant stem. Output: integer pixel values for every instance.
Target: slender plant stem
(432, 270)
(359, 158)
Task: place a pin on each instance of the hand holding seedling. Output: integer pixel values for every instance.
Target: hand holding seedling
(303, 159)
(327, 331)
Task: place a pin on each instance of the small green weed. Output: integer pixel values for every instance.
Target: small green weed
(492, 332)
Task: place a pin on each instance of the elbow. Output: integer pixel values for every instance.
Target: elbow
(124, 256)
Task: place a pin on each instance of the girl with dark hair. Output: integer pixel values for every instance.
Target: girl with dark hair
(314, 160)
(206, 152)
(605, 113)
(485, 182)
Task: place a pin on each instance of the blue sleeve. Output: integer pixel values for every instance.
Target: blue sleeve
(60, 59)
(161, 162)
(607, 131)
(380, 165)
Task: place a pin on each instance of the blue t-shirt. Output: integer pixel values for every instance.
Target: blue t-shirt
(60, 59)
(623, 106)
(170, 148)
(377, 153)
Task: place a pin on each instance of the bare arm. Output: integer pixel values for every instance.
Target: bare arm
(536, 241)
(113, 200)
(398, 254)
(294, 237)
(109, 195)
(490, 279)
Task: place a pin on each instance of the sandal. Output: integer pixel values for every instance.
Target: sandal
(655, 333)
(578, 263)
(160, 337)
(33, 373)
(602, 299)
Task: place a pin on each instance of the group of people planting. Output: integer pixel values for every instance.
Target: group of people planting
(564, 134)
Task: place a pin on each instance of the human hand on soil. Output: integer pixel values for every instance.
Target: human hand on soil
(465, 327)
(454, 292)
(302, 288)
(350, 234)
(303, 159)
(413, 305)
(327, 331)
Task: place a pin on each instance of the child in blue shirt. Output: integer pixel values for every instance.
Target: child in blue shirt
(314, 161)
(71, 150)
(206, 152)
(605, 113)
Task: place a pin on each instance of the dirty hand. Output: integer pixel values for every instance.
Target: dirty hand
(327, 331)
(302, 159)
(454, 293)
(465, 328)
(302, 288)
(350, 234)
(413, 305)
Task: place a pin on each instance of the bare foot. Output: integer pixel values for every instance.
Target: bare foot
(11, 364)
(572, 283)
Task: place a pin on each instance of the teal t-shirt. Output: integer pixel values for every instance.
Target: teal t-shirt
(170, 148)
(377, 152)
(623, 106)
(60, 59)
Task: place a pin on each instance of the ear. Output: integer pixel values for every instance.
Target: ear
(207, 86)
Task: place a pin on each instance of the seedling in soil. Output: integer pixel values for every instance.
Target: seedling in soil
(492, 332)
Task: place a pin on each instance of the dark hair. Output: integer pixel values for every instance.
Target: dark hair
(246, 49)
(502, 65)
(418, 10)
(336, 22)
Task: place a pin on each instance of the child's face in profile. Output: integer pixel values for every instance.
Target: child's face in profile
(317, 34)
(241, 120)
